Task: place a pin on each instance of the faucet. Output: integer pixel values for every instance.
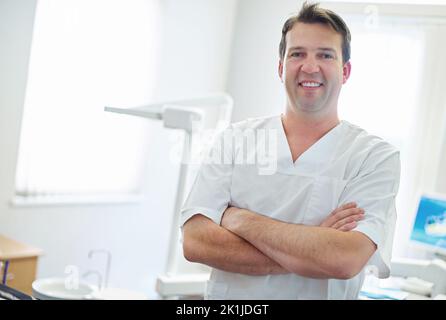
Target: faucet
(98, 274)
(107, 268)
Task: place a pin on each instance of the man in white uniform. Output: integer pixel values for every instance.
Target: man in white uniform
(302, 220)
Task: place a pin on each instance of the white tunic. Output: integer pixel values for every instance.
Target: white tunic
(347, 164)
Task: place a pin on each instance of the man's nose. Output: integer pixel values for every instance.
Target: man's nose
(310, 66)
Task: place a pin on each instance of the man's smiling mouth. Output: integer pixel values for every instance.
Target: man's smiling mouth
(310, 84)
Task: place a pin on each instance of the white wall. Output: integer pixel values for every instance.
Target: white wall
(16, 22)
(195, 55)
(253, 79)
(197, 48)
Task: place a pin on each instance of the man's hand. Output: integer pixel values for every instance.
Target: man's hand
(344, 218)
(309, 251)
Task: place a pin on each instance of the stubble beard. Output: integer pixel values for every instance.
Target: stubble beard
(305, 106)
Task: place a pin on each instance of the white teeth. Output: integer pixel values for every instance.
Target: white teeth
(311, 84)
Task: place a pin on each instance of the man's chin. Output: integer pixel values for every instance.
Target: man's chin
(310, 107)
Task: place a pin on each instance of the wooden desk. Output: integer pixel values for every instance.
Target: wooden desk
(20, 260)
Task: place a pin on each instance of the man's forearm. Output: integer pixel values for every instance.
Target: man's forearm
(208, 243)
(315, 252)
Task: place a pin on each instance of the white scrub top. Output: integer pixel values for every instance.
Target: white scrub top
(346, 164)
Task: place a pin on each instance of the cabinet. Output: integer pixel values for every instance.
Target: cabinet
(18, 264)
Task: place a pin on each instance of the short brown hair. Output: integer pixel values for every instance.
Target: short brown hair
(311, 13)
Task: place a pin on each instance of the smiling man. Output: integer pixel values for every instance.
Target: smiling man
(313, 69)
(307, 229)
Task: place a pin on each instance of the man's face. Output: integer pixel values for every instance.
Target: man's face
(312, 69)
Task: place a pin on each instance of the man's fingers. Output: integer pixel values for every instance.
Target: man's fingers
(344, 207)
(348, 212)
(343, 215)
(349, 226)
(333, 219)
(348, 220)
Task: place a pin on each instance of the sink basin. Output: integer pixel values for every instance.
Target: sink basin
(56, 289)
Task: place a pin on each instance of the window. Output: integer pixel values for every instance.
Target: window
(87, 55)
(381, 94)
(395, 92)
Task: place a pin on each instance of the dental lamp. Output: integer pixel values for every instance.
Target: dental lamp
(183, 278)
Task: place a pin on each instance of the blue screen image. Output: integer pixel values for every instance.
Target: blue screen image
(430, 222)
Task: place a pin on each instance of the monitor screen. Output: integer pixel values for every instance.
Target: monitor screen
(429, 228)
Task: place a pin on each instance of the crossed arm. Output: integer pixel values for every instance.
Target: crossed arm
(250, 243)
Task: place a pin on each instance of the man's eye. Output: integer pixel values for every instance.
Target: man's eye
(327, 56)
(296, 54)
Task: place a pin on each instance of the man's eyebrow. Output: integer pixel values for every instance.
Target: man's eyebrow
(297, 48)
(327, 49)
(320, 48)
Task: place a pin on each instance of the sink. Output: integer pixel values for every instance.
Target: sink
(56, 289)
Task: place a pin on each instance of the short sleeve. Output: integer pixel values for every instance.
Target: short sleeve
(210, 192)
(375, 189)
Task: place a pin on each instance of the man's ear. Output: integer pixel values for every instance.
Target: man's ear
(280, 70)
(346, 70)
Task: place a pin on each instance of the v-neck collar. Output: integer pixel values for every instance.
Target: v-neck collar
(312, 160)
